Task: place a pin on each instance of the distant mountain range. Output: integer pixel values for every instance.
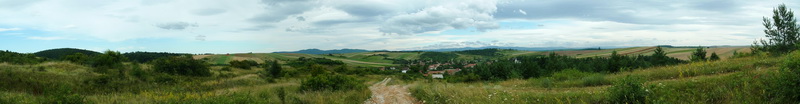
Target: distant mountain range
(340, 51)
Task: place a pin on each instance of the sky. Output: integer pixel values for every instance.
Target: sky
(241, 26)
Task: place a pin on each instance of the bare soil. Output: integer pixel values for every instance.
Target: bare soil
(393, 94)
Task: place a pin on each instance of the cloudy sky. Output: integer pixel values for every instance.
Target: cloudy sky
(238, 26)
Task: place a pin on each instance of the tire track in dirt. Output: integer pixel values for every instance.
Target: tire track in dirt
(393, 94)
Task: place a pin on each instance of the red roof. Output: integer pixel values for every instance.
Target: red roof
(469, 65)
(452, 71)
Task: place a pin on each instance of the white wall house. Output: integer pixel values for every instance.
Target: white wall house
(440, 76)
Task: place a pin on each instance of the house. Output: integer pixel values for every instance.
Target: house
(434, 66)
(404, 71)
(452, 71)
(436, 74)
(470, 65)
(440, 76)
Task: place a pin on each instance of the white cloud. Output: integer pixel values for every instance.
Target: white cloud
(9, 29)
(461, 15)
(47, 38)
(331, 24)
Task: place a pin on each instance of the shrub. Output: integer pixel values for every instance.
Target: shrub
(226, 69)
(107, 60)
(332, 83)
(792, 61)
(785, 86)
(698, 55)
(181, 66)
(569, 74)
(78, 58)
(243, 64)
(282, 94)
(628, 90)
(63, 95)
(713, 57)
(545, 82)
(595, 80)
(18, 58)
(136, 71)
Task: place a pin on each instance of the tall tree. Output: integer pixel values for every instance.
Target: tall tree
(781, 30)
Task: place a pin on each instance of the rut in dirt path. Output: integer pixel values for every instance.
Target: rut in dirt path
(394, 94)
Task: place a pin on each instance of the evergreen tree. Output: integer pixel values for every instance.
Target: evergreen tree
(275, 69)
(781, 30)
(659, 52)
(698, 55)
(615, 61)
(713, 56)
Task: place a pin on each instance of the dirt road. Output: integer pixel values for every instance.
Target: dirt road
(394, 94)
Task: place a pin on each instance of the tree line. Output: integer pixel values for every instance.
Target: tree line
(538, 66)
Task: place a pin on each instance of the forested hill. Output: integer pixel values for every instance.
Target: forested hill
(18, 58)
(60, 52)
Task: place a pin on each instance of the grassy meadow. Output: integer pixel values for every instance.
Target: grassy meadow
(65, 82)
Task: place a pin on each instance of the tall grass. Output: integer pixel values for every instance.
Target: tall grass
(54, 82)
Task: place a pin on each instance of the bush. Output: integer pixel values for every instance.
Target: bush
(792, 61)
(181, 66)
(785, 86)
(628, 90)
(19, 58)
(226, 69)
(107, 60)
(595, 80)
(544, 82)
(569, 74)
(244, 64)
(332, 83)
(136, 71)
(63, 95)
(78, 58)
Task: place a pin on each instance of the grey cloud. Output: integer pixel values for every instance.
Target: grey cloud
(301, 18)
(637, 12)
(209, 11)
(324, 23)
(257, 28)
(476, 15)
(717, 5)
(278, 2)
(278, 10)
(305, 29)
(364, 9)
(176, 25)
(462, 45)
